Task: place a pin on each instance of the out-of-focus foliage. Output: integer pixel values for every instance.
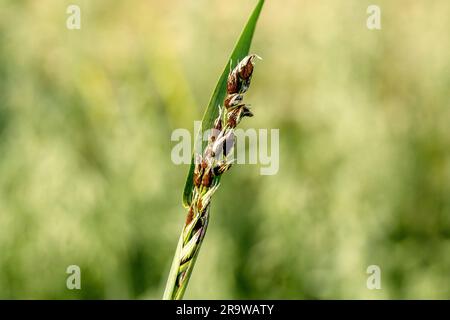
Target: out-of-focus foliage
(85, 171)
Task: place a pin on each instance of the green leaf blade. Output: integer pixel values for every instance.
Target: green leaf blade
(241, 50)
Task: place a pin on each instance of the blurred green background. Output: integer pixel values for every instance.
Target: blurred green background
(86, 176)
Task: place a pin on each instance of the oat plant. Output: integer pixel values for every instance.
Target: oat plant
(224, 112)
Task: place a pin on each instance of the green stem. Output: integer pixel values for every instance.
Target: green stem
(180, 292)
(173, 274)
(173, 290)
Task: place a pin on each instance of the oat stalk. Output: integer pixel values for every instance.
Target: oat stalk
(214, 161)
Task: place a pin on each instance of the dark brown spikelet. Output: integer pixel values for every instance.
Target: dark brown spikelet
(216, 170)
(220, 169)
(233, 83)
(228, 101)
(232, 119)
(246, 112)
(207, 179)
(232, 100)
(246, 69)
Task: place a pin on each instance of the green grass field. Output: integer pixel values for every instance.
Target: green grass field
(85, 171)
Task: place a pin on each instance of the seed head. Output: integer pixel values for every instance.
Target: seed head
(233, 100)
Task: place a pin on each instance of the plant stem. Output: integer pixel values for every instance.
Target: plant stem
(180, 271)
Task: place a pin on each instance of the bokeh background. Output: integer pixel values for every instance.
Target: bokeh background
(85, 171)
